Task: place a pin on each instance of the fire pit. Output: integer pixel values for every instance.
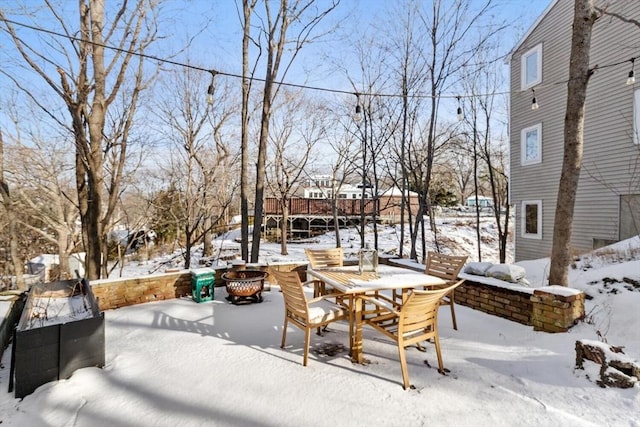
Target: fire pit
(244, 286)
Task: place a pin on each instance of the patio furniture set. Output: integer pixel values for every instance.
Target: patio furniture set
(400, 303)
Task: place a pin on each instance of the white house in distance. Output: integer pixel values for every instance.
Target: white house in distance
(321, 187)
(312, 211)
(607, 205)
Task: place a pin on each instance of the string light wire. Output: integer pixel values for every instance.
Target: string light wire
(288, 84)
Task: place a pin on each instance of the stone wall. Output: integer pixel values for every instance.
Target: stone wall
(510, 304)
(556, 308)
(115, 293)
(549, 309)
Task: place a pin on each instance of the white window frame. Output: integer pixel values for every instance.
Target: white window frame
(523, 220)
(523, 145)
(636, 116)
(536, 50)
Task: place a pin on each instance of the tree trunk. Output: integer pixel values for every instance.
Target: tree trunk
(475, 189)
(63, 252)
(188, 235)
(584, 17)
(336, 222)
(284, 227)
(247, 6)
(261, 170)
(96, 120)
(12, 219)
(207, 245)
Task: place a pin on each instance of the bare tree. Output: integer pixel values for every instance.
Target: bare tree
(201, 155)
(341, 169)
(248, 7)
(89, 82)
(301, 17)
(426, 47)
(449, 48)
(294, 133)
(12, 219)
(47, 198)
(405, 40)
(481, 81)
(376, 130)
(460, 168)
(42, 173)
(585, 15)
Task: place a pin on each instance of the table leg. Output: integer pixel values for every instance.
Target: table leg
(351, 324)
(356, 352)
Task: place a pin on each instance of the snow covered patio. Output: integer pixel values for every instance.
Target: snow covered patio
(181, 363)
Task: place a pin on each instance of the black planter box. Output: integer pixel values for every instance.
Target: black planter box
(49, 346)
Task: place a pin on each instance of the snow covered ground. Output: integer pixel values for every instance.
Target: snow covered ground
(181, 363)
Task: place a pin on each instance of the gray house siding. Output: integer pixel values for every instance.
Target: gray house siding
(611, 162)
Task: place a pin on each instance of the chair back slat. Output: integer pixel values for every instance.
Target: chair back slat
(420, 312)
(446, 267)
(410, 323)
(294, 297)
(323, 258)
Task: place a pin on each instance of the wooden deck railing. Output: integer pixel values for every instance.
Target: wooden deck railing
(300, 206)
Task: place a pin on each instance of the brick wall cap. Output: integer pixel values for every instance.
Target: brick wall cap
(563, 291)
(148, 277)
(492, 281)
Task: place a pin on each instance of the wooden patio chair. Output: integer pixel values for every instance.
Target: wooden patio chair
(446, 267)
(305, 313)
(410, 323)
(323, 258)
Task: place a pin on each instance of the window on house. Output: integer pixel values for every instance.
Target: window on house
(636, 117)
(531, 67)
(531, 145)
(629, 216)
(531, 221)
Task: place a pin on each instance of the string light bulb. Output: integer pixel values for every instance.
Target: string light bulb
(210, 95)
(211, 88)
(534, 102)
(358, 116)
(459, 112)
(632, 78)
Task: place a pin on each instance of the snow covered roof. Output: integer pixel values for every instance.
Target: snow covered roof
(396, 192)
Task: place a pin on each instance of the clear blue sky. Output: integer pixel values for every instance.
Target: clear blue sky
(216, 28)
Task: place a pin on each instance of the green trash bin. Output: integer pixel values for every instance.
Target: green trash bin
(202, 284)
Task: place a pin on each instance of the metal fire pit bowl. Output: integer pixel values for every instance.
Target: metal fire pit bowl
(244, 286)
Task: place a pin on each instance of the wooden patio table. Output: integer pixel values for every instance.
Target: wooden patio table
(349, 281)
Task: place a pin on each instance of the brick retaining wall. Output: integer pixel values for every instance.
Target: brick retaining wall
(556, 308)
(550, 309)
(115, 293)
(503, 302)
